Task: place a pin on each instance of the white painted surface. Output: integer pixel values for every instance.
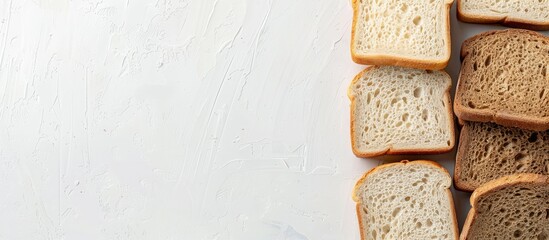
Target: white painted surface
(180, 119)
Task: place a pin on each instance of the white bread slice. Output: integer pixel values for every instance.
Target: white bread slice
(396, 110)
(511, 207)
(406, 200)
(412, 33)
(530, 14)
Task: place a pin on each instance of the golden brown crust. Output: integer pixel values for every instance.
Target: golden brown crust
(471, 216)
(462, 147)
(506, 21)
(487, 115)
(390, 150)
(495, 185)
(360, 223)
(360, 182)
(399, 60)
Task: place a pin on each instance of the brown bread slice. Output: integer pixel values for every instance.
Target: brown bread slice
(511, 207)
(488, 151)
(504, 79)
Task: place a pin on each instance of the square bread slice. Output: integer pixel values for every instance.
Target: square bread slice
(488, 151)
(396, 110)
(511, 207)
(413, 33)
(406, 200)
(504, 78)
(531, 14)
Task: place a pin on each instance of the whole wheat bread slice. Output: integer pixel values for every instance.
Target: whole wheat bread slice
(488, 151)
(531, 14)
(511, 207)
(396, 110)
(413, 33)
(504, 79)
(406, 200)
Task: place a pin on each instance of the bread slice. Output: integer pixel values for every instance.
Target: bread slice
(511, 207)
(413, 33)
(504, 79)
(396, 110)
(488, 151)
(406, 200)
(531, 14)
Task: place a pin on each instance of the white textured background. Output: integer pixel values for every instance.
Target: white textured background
(180, 119)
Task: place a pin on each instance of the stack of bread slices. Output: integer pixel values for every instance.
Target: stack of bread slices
(401, 104)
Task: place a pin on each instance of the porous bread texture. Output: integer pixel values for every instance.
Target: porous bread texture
(532, 14)
(504, 79)
(406, 200)
(396, 110)
(511, 207)
(488, 151)
(403, 33)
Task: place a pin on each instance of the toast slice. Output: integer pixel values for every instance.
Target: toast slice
(406, 200)
(504, 78)
(511, 207)
(396, 110)
(414, 33)
(488, 151)
(515, 13)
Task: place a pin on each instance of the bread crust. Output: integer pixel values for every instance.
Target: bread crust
(487, 115)
(390, 150)
(506, 20)
(360, 182)
(495, 185)
(394, 60)
(462, 147)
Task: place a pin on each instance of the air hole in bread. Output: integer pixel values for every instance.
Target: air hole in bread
(520, 157)
(417, 92)
(533, 137)
(405, 117)
(386, 229)
(417, 20)
(488, 61)
(471, 104)
(517, 233)
(425, 114)
(404, 7)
